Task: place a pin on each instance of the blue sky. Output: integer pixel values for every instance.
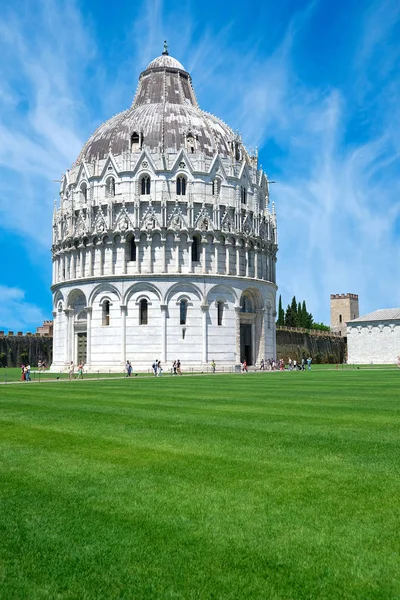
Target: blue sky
(315, 85)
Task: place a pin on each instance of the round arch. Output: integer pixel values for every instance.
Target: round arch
(103, 288)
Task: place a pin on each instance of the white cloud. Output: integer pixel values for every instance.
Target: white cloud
(16, 314)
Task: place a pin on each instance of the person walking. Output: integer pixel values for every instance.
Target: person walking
(80, 370)
(213, 365)
(71, 370)
(309, 360)
(28, 373)
(178, 367)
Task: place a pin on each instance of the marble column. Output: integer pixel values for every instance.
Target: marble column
(227, 251)
(164, 309)
(124, 257)
(123, 334)
(88, 335)
(217, 243)
(204, 353)
(177, 253)
(55, 336)
(256, 254)
(204, 256)
(148, 250)
(189, 245)
(163, 255)
(90, 261)
(111, 257)
(237, 319)
(137, 263)
(82, 263)
(237, 259)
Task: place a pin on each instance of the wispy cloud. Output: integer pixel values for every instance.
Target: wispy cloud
(17, 314)
(40, 71)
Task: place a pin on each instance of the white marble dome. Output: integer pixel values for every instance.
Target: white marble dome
(164, 242)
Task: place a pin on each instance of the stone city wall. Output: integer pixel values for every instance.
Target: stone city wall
(324, 348)
(25, 349)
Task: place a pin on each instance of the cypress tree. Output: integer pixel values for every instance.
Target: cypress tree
(281, 313)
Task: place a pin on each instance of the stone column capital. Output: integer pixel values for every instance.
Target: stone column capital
(123, 307)
(89, 309)
(204, 307)
(163, 307)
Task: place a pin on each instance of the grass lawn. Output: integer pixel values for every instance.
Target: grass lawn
(270, 486)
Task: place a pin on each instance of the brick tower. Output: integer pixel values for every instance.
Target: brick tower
(344, 307)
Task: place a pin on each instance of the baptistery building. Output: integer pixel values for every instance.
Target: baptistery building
(164, 241)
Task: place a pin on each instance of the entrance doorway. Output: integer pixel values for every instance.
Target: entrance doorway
(246, 343)
(82, 345)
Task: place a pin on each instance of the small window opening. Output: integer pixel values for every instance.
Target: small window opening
(183, 312)
(190, 143)
(143, 312)
(340, 318)
(133, 250)
(84, 192)
(220, 312)
(136, 142)
(195, 249)
(243, 195)
(238, 154)
(106, 313)
(181, 186)
(145, 185)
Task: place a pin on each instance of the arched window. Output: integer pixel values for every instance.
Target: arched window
(196, 249)
(143, 311)
(106, 313)
(190, 143)
(220, 312)
(110, 187)
(340, 318)
(145, 185)
(181, 186)
(183, 312)
(136, 142)
(83, 192)
(243, 195)
(133, 249)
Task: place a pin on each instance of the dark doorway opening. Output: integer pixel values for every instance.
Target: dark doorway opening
(82, 345)
(246, 344)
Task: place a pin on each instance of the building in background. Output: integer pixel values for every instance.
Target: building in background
(374, 338)
(165, 241)
(344, 308)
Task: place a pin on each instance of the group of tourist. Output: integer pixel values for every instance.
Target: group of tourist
(71, 370)
(272, 364)
(26, 373)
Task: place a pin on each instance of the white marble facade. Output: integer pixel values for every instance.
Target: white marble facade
(164, 243)
(374, 338)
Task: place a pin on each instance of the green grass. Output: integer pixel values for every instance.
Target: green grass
(275, 486)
